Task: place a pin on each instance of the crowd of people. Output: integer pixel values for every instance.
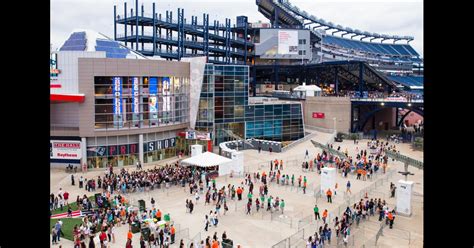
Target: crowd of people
(140, 180)
(361, 210)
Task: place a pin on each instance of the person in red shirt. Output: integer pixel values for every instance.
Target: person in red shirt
(66, 197)
(102, 237)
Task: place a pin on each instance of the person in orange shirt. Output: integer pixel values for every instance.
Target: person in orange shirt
(129, 234)
(281, 164)
(329, 194)
(239, 193)
(278, 177)
(215, 244)
(325, 215)
(311, 165)
(304, 187)
(158, 215)
(173, 232)
(122, 215)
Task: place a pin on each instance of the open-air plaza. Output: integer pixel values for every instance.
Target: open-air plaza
(289, 224)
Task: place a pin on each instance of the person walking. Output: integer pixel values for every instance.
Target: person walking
(54, 233)
(72, 179)
(206, 223)
(282, 205)
(316, 213)
(325, 215)
(329, 195)
(390, 219)
(348, 185)
(306, 154)
(249, 206)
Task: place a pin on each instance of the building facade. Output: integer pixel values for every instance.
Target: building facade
(224, 106)
(111, 108)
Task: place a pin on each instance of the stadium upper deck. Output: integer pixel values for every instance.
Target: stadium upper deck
(174, 37)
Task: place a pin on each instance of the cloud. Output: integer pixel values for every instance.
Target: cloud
(400, 17)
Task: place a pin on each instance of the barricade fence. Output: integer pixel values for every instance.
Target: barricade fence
(195, 240)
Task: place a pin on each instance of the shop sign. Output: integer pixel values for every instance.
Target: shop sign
(159, 144)
(112, 150)
(65, 149)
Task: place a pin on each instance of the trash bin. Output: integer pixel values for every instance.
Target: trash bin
(145, 233)
(141, 204)
(135, 227)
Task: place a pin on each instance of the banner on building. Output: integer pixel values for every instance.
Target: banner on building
(153, 99)
(135, 94)
(198, 135)
(287, 42)
(65, 149)
(166, 94)
(112, 150)
(318, 115)
(117, 91)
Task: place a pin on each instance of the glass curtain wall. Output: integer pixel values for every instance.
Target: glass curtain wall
(140, 102)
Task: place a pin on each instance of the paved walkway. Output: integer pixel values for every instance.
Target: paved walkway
(265, 230)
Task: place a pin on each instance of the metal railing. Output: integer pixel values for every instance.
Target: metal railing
(297, 142)
(404, 159)
(195, 240)
(330, 150)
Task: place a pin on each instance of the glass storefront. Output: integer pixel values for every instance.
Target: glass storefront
(115, 155)
(159, 149)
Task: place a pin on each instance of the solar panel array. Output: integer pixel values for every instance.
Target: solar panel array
(76, 42)
(377, 48)
(111, 48)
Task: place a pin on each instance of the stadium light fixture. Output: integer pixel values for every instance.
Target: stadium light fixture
(409, 105)
(382, 104)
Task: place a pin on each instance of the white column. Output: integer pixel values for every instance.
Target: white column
(83, 152)
(328, 180)
(140, 148)
(404, 192)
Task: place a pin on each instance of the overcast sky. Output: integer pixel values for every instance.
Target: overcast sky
(393, 17)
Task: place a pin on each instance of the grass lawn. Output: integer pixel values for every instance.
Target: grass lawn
(73, 204)
(68, 226)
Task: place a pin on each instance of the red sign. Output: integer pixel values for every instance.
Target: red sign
(318, 115)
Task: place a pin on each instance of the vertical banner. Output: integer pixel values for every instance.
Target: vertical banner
(166, 99)
(135, 102)
(166, 94)
(135, 93)
(117, 95)
(153, 99)
(117, 101)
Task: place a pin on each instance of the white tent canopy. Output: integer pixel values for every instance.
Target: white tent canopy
(307, 88)
(207, 159)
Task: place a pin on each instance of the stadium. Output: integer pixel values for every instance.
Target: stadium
(164, 88)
